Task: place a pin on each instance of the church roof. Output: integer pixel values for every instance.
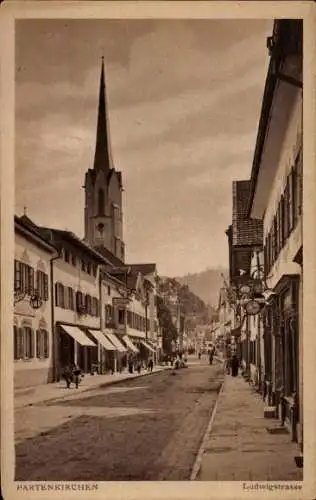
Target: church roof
(103, 155)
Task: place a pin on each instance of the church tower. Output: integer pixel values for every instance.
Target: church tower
(103, 218)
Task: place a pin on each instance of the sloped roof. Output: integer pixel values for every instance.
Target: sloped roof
(24, 223)
(144, 269)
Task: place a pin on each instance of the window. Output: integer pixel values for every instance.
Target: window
(108, 315)
(79, 301)
(23, 343)
(67, 256)
(42, 348)
(109, 290)
(121, 316)
(42, 284)
(101, 204)
(83, 266)
(88, 267)
(94, 269)
(88, 300)
(70, 294)
(59, 295)
(23, 277)
(73, 260)
(129, 318)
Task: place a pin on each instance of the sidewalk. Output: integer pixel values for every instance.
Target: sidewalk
(28, 396)
(238, 446)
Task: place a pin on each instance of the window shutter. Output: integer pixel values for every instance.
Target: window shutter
(281, 222)
(16, 342)
(286, 211)
(290, 202)
(17, 275)
(38, 343)
(30, 271)
(31, 334)
(23, 277)
(97, 307)
(21, 342)
(46, 344)
(45, 287)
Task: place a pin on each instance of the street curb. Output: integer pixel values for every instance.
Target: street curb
(101, 385)
(199, 457)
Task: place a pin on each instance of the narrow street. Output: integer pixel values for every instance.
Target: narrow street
(144, 429)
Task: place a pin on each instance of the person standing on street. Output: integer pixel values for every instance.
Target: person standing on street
(76, 372)
(68, 375)
(150, 365)
(234, 365)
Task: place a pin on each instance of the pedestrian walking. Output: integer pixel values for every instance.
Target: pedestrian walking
(199, 355)
(150, 365)
(139, 366)
(130, 365)
(76, 374)
(234, 365)
(68, 375)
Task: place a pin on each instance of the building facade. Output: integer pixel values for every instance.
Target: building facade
(32, 322)
(276, 197)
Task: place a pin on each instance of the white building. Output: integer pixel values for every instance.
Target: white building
(32, 326)
(276, 197)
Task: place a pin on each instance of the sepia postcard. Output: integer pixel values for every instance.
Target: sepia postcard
(158, 253)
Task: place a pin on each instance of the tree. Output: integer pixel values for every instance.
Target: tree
(169, 331)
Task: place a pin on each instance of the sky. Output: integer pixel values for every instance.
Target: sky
(184, 100)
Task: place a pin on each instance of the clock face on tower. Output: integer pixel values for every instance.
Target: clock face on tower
(100, 229)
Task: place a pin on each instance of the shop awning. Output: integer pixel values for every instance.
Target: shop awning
(78, 335)
(130, 344)
(115, 341)
(147, 346)
(103, 340)
(132, 332)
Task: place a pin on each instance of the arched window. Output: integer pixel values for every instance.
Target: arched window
(100, 202)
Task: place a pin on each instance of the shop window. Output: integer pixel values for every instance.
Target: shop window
(42, 344)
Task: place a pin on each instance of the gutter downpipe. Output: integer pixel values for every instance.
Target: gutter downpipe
(54, 338)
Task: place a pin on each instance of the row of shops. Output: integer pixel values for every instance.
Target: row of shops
(72, 306)
(261, 306)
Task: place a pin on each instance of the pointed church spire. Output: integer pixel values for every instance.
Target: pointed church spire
(103, 156)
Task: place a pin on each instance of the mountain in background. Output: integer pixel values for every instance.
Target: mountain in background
(205, 284)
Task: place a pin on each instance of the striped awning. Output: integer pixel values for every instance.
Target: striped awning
(115, 341)
(130, 344)
(147, 346)
(103, 340)
(78, 335)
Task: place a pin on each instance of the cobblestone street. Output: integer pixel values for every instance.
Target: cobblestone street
(143, 429)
